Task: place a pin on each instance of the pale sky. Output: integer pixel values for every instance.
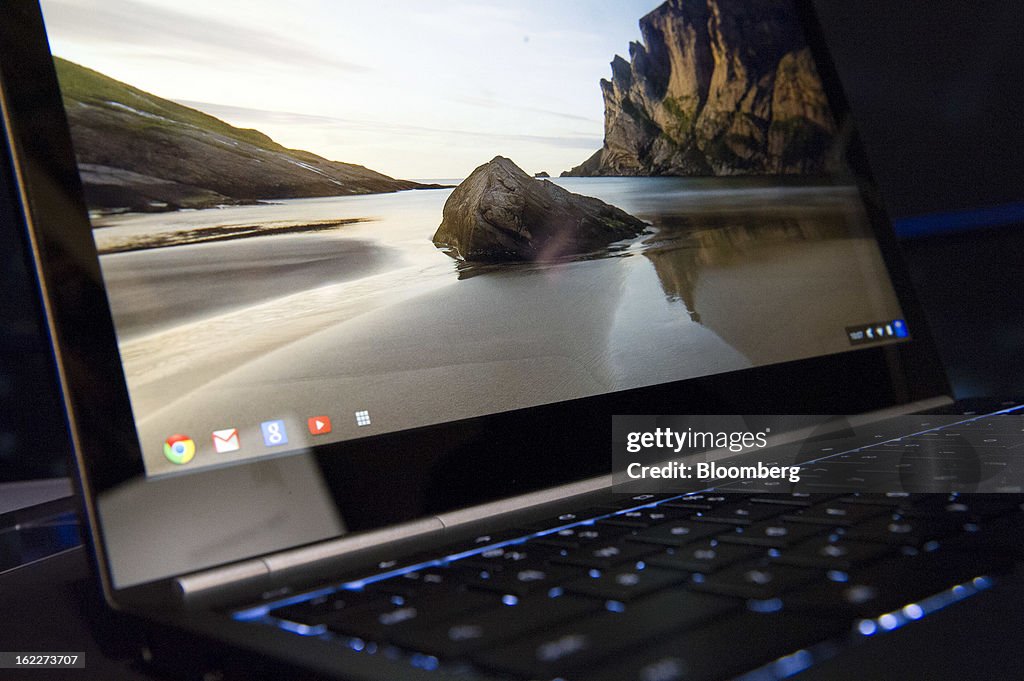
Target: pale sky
(412, 89)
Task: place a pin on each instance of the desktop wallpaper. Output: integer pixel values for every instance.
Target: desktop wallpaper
(323, 221)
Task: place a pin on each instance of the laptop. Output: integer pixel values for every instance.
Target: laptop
(341, 354)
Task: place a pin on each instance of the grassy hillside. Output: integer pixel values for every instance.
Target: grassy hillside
(80, 84)
(140, 152)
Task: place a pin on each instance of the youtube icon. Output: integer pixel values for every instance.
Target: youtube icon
(319, 425)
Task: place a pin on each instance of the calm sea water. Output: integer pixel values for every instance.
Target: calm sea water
(702, 219)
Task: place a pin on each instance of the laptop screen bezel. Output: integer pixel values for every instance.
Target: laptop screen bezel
(473, 460)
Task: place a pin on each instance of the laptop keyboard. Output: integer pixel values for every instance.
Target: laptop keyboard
(669, 588)
(672, 587)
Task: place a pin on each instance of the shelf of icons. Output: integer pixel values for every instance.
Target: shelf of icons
(181, 449)
(895, 329)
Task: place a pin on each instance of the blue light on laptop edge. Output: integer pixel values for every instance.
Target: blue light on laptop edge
(958, 221)
(798, 661)
(262, 611)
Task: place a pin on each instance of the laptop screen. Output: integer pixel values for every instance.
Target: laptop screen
(320, 222)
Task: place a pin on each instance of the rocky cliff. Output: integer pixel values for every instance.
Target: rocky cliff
(717, 87)
(499, 213)
(139, 152)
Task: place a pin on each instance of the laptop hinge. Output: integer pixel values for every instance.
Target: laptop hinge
(252, 572)
(250, 575)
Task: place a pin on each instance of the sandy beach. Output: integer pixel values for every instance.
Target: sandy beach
(124, 241)
(372, 317)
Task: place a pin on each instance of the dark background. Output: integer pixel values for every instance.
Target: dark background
(937, 92)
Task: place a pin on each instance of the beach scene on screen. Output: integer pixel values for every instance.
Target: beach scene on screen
(426, 213)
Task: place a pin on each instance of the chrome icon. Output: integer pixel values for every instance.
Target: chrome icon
(179, 449)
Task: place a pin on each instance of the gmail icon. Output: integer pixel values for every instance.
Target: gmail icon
(226, 440)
